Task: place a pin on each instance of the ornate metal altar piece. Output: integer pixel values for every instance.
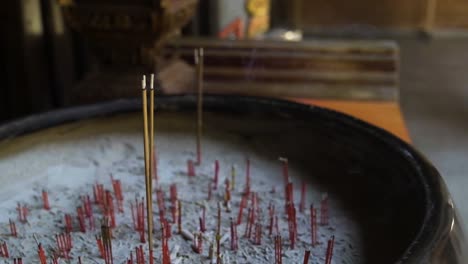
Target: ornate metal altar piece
(127, 32)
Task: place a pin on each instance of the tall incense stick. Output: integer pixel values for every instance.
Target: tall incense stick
(149, 211)
(151, 152)
(151, 132)
(199, 65)
(151, 172)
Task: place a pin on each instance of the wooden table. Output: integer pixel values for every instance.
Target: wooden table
(386, 115)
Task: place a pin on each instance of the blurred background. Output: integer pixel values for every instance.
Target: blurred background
(409, 54)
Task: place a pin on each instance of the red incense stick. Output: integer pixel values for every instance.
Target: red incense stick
(216, 175)
(247, 177)
(13, 228)
(190, 168)
(278, 250)
(313, 224)
(45, 200)
(329, 254)
(306, 256)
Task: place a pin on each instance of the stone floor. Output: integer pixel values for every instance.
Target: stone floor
(434, 98)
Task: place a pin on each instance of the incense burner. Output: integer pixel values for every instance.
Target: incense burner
(386, 202)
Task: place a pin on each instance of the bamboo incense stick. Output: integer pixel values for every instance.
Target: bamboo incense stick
(199, 60)
(147, 164)
(149, 194)
(151, 132)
